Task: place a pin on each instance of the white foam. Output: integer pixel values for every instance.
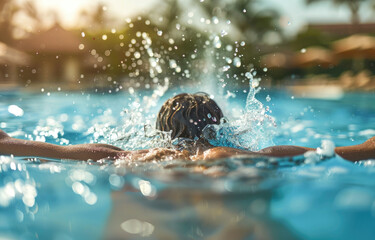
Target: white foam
(327, 149)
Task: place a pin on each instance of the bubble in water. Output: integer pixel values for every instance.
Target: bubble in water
(83, 34)
(242, 43)
(265, 69)
(303, 50)
(268, 98)
(104, 37)
(81, 46)
(223, 33)
(229, 48)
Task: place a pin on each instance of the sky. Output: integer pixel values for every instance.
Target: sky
(294, 13)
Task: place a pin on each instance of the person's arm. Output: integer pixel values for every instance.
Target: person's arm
(353, 153)
(358, 152)
(19, 147)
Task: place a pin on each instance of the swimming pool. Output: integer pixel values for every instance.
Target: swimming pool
(229, 198)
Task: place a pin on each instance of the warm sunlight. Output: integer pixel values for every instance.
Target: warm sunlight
(187, 119)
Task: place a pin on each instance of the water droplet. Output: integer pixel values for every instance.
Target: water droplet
(215, 20)
(303, 50)
(217, 42)
(248, 75)
(172, 63)
(237, 62)
(15, 110)
(226, 68)
(104, 37)
(268, 98)
(137, 55)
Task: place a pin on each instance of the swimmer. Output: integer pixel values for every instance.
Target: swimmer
(185, 116)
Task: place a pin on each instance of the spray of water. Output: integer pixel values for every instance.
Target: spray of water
(221, 69)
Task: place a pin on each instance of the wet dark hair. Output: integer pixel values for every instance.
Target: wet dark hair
(187, 114)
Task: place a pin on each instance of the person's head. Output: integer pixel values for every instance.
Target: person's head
(187, 114)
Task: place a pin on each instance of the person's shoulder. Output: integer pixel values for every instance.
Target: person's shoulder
(223, 152)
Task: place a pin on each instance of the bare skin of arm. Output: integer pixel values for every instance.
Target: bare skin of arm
(19, 147)
(353, 153)
(93, 151)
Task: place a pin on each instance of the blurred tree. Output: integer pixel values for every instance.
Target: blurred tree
(7, 11)
(252, 23)
(353, 5)
(310, 37)
(96, 19)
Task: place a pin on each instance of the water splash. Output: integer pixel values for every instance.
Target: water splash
(253, 131)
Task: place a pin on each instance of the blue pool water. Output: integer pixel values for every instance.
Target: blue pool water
(224, 199)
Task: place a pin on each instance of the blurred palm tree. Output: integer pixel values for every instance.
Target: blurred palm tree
(353, 5)
(244, 16)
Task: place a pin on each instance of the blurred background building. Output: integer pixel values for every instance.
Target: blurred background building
(102, 44)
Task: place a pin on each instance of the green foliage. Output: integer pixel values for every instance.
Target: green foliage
(310, 37)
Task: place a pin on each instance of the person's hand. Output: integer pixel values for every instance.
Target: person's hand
(370, 143)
